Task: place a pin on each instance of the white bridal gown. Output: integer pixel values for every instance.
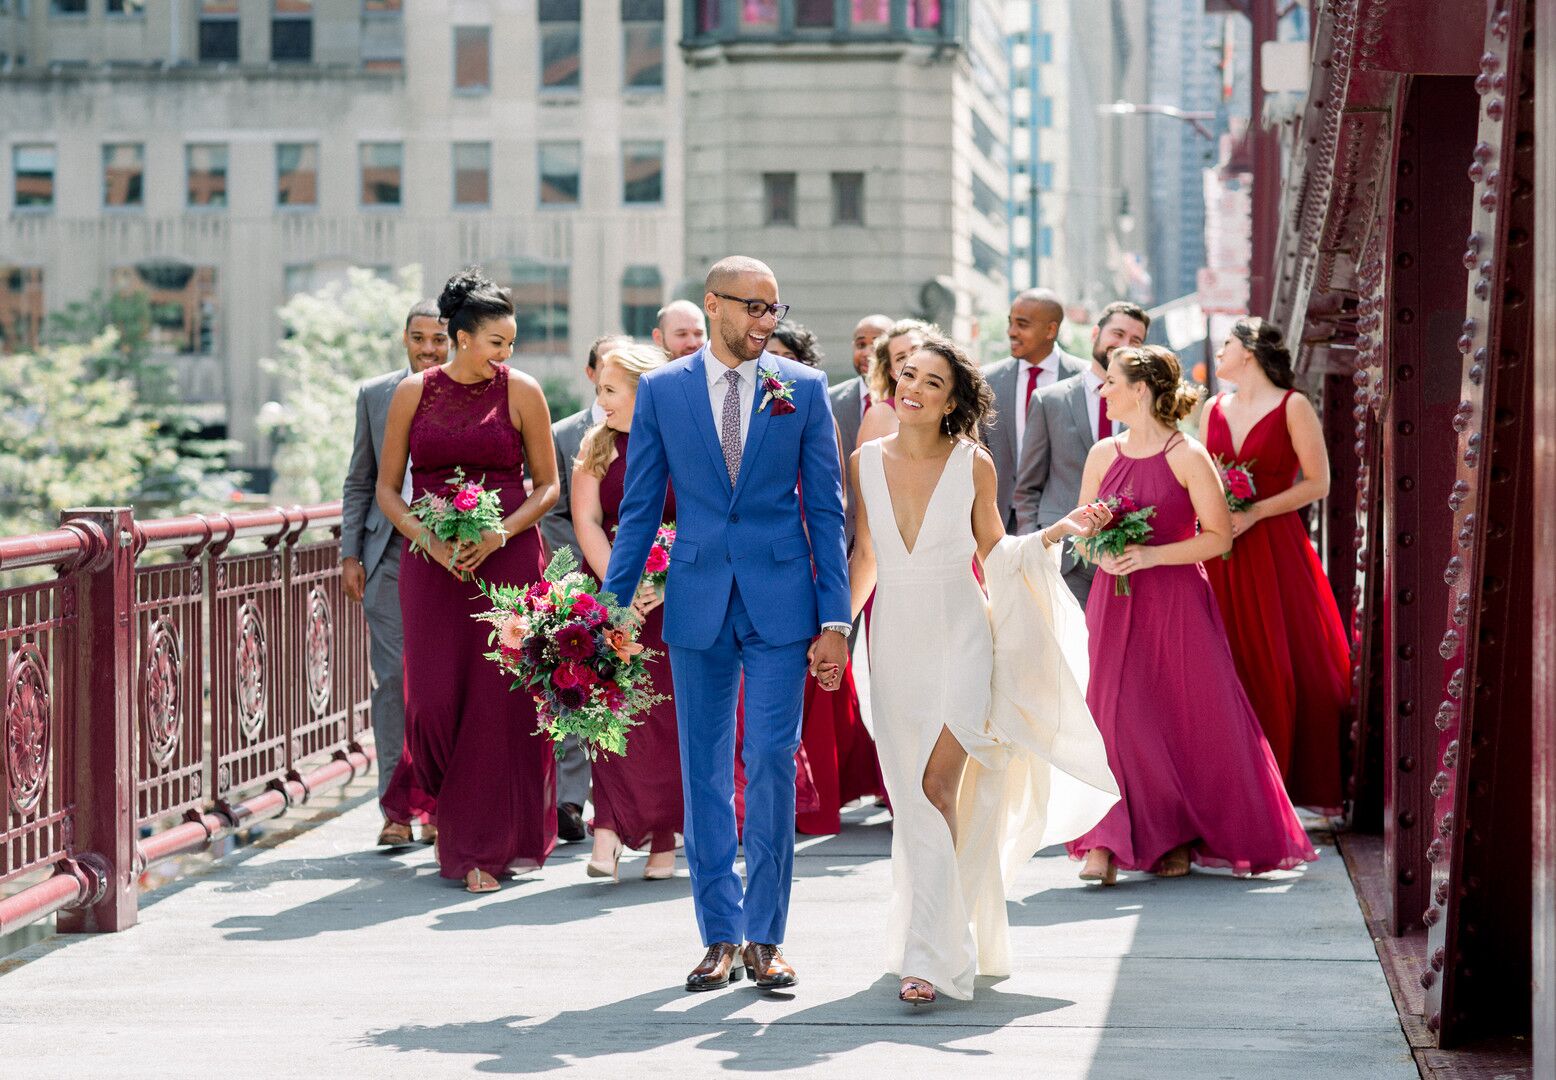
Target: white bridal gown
(1007, 676)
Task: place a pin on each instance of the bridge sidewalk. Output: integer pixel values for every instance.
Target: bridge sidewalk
(322, 958)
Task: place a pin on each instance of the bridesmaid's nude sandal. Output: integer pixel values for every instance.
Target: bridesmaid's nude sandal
(1174, 864)
(479, 881)
(923, 992)
(1108, 876)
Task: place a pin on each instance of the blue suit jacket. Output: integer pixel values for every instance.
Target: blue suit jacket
(753, 537)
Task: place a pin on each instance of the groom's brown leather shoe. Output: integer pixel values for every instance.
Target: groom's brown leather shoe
(718, 969)
(769, 970)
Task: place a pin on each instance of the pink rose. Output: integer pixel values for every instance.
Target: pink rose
(564, 677)
(590, 610)
(469, 497)
(615, 700)
(1238, 484)
(658, 560)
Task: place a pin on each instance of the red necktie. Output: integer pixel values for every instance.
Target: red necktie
(1104, 425)
(1031, 383)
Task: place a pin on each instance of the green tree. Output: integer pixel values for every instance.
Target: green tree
(69, 437)
(333, 339)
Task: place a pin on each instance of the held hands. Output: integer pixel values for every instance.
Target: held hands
(353, 578)
(1083, 521)
(1134, 557)
(646, 600)
(468, 558)
(828, 656)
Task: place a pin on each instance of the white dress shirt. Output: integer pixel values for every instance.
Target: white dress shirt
(596, 414)
(718, 387)
(1047, 375)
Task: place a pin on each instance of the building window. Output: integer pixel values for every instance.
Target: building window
(708, 15)
(182, 299)
(642, 293)
(124, 168)
(559, 44)
(472, 59)
(126, 7)
(383, 35)
(643, 44)
(762, 14)
(1043, 111)
(382, 164)
(205, 165)
(472, 174)
(812, 14)
(291, 32)
(778, 198)
(987, 201)
(923, 14)
(847, 198)
(559, 168)
(21, 308)
(871, 14)
(67, 7)
(33, 165)
(540, 307)
(987, 260)
(986, 142)
(297, 174)
(218, 31)
(643, 172)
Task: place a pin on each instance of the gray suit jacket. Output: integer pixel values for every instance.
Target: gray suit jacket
(846, 397)
(557, 526)
(1000, 436)
(365, 533)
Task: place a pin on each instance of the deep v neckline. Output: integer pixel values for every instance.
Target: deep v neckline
(891, 502)
(1237, 451)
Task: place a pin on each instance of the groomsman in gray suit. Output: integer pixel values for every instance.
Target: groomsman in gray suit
(851, 397)
(370, 550)
(1035, 361)
(1064, 422)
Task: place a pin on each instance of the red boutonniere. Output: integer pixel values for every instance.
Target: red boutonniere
(779, 392)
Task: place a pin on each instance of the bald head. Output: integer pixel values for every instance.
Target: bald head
(728, 272)
(680, 330)
(737, 286)
(1033, 328)
(869, 329)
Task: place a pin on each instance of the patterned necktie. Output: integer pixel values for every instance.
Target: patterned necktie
(729, 426)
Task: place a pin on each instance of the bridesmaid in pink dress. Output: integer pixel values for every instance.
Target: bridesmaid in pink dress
(471, 740)
(1281, 617)
(1197, 778)
(637, 797)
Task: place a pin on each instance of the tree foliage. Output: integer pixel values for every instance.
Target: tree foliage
(333, 339)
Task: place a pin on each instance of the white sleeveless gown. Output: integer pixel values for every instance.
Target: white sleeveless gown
(1037, 770)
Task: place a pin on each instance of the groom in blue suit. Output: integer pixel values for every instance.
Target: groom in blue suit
(758, 586)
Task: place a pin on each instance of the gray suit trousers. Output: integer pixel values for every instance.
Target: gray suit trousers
(572, 774)
(386, 653)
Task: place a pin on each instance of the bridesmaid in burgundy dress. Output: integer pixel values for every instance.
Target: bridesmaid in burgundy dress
(1197, 778)
(1285, 628)
(637, 798)
(471, 740)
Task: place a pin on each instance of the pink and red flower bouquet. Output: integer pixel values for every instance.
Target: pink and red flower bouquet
(1237, 480)
(577, 654)
(459, 514)
(1131, 525)
(657, 569)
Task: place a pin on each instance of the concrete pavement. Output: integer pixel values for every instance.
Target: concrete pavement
(324, 957)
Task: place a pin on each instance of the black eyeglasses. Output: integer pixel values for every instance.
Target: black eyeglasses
(757, 308)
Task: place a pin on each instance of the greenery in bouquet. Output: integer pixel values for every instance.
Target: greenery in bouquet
(576, 652)
(460, 513)
(1131, 525)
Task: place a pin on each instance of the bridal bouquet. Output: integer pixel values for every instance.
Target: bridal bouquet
(460, 514)
(1238, 481)
(1131, 525)
(576, 653)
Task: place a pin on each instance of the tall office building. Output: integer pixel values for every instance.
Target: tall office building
(222, 155)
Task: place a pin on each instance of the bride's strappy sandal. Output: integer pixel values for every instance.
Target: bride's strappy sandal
(923, 992)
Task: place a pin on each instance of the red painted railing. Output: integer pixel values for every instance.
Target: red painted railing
(162, 685)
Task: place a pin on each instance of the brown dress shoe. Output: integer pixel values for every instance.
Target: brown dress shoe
(394, 834)
(429, 833)
(718, 969)
(768, 968)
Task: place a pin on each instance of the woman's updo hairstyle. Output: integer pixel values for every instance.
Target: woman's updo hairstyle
(1268, 346)
(1172, 398)
(470, 298)
(971, 398)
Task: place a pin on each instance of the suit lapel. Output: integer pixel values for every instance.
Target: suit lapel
(757, 428)
(1080, 411)
(694, 383)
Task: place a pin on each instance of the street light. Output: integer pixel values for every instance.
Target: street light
(1193, 119)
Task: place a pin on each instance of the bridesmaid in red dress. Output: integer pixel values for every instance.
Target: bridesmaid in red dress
(637, 798)
(471, 740)
(1280, 613)
(1197, 780)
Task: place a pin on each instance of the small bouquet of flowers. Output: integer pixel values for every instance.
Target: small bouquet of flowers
(657, 569)
(1237, 479)
(460, 514)
(576, 653)
(780, 392)
(1131, 525)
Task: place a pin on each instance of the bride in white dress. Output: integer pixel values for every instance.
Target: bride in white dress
(985, 742)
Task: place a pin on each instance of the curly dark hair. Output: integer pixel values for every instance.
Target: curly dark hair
(1268, 346)
(470, 298)
(971, 397)
(1172, 398)
(801, 342)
